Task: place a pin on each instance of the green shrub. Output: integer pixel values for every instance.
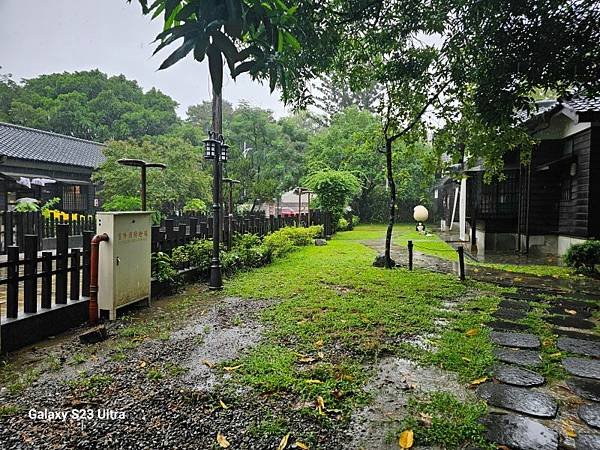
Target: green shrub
(342, 224)
(195, 206)
(286, 239)
(355, 220)
(122, 203)
(163, 271)
(197, 253)
(584, 257)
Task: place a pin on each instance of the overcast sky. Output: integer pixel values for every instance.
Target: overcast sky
(46, 36)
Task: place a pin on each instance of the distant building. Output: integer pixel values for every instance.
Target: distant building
(543, 207)
(42, 165)
(288, 204)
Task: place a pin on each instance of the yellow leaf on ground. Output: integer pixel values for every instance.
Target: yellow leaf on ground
(284, 442)
(232, 368)
(223, 405)
(207, 363)
(472, 332)
(517, 279)
(301, 445)
(466, 359)
(307, 359)
(142, 364)
(222, 440)
(478, 381)
(319, 343)
(313, 382)
(320, 402)
(405, 441)
(568, 429)
(571, 311)
(321, 355)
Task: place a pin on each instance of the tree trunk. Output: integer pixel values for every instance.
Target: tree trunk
(392, 205)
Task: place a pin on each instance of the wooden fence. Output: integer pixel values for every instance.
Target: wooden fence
(41, 290)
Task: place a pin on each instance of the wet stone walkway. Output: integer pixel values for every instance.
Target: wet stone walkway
(526, 411)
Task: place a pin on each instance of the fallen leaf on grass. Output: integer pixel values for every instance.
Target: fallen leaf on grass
(405, 441)
(319, 343)
(142, 364)
(222, 440)
(466, 359)
(478, 381)
(301, 445)
(223, 405)
(321, 355)
(313, 382)
(517, 279)
(425, 419)
(307, 359)
(320, 405)
(472, 332)
(284, 442)
(208, 364)
(571, 311)
(232, 368)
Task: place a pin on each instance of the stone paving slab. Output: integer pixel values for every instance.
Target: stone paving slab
(517, 376)
(522, 296)
(568, 312)
(512, 339)
(517, 356)
(509, 314)
(519, 432)
(585, 387)
(576, 334)
(504, 325)
(513, 304)
(569, 303)
(579, 346)
(570, 322)
(587, 368)
(588, 441)
(518, 399)
(590, 414)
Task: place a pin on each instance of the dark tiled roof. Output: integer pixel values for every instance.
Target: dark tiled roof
(583, 104)
(578, 104)
(37, 145)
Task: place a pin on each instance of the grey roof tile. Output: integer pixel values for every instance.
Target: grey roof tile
(37, 145)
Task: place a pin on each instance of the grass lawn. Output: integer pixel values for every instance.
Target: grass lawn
(336, 315)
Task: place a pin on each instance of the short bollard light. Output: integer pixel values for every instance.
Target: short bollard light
(420, 214)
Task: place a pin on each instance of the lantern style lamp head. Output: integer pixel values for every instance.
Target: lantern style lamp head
(224, 152)
(210, 147)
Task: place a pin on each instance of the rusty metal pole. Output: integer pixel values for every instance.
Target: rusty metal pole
(94, 254)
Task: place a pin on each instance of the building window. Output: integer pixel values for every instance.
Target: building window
(568, 147)
(566, 189)
(74, 198)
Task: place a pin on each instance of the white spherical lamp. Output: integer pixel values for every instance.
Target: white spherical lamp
(420, 213)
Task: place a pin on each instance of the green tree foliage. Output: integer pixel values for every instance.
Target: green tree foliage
(334, 188)
(335, 95)
(200, 115)
(122, 203)
(88, 105)
(168, 190)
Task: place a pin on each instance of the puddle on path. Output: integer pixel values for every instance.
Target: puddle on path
(395, 380)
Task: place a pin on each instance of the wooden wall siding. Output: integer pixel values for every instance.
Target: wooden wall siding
(574, 213)
(594, 181)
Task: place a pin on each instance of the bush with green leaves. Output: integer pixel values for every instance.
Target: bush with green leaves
(342, 225)
(195, 206)
(334, 189)
(122, 203)
(197, 253)
(584, 257)
(287, 239)
(163, 271)
(24, 207)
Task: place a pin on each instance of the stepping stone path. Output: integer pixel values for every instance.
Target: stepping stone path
(519, 432)
(517, 356)
(517, 376)
(587, 368)
(587, 348)
(590, 414)
(518, 340)
(519, 427)
(519, 399)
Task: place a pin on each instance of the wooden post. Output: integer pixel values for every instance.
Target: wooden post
(62, 249)
(410, 255)
(47, 280)
(12, 288)
(461, 262)
(30, 270)
(75, 266)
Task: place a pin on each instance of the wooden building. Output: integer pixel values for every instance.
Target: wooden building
(544, 207)
(42, 165)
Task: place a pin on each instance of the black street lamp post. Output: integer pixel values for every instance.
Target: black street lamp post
(143, 165)
(216, 150)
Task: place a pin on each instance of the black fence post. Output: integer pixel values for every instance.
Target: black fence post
(12, 288)
(85, 270)
(62, 250)
(30, 270)
(410, 255)
(461, 262)
(75, 267)
(47, 280)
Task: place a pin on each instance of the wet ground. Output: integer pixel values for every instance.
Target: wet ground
(169, 390)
